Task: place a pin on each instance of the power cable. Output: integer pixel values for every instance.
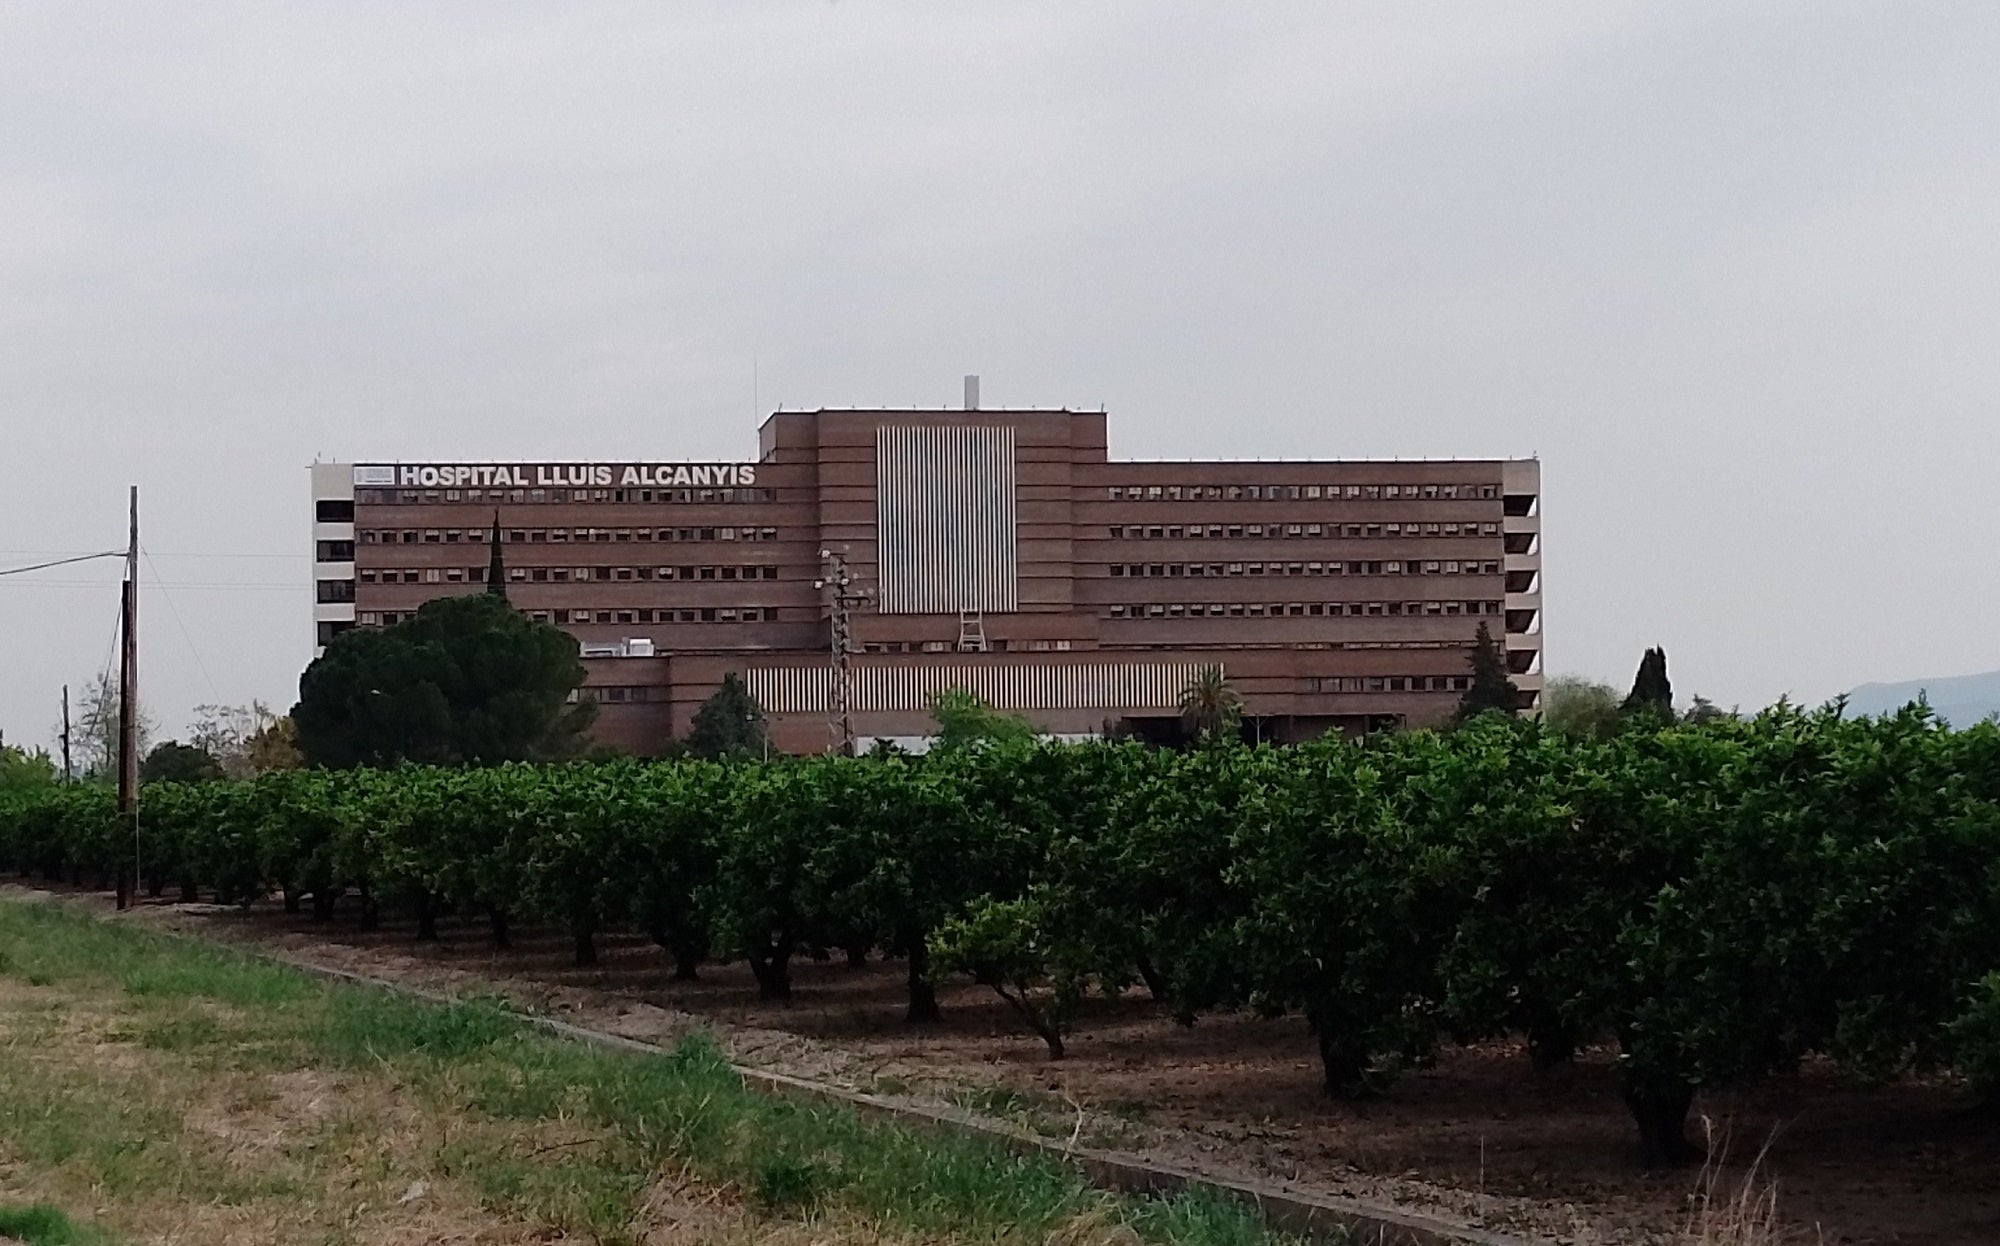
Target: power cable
(261, 586)
(182, 623)
(62, 562)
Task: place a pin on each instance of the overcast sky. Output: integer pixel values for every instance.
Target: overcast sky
(1732, 271)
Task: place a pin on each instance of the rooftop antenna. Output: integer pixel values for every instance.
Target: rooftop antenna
(971, 392)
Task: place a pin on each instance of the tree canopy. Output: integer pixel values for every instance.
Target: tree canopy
(963, 719)
(464, 679)
(23, 770)
(174, 762)
(729, 724)
(1578, 706)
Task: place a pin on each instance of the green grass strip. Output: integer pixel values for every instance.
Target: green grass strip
(685, 1110)
(41, 1225)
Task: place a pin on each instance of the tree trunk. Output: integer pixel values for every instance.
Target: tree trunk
(323, 898)
(427, 922)
(497, 919)
(1343, 1063)
(771, 966)
(586, 948)
(155, 884)
(1156, 983)
(687, 965)
(189, 895)
(125, 890)
(1662, 1119)
(857, 955)
(291, 900)
(923, 992)
(1549, 1046)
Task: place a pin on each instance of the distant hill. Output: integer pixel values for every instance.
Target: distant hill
(1960, 700)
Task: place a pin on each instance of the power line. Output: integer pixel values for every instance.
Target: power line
(27, 553)
(62, 562)
(254, 586)
(182, 623)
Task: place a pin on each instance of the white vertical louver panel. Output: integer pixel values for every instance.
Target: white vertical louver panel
(886, 689)
(945, 511)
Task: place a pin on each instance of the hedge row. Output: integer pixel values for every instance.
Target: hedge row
(1720, 901)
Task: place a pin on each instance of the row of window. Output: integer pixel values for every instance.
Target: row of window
(947, 646)
(1296, 493)
(1391, 683)
(703, 614)
(615, 694)
(1237, 531)
(1295, 609)
(1392, 566)
(555, 575)
(413, 497)
(477, 536)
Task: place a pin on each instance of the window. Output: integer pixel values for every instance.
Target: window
(336, 590)
(333, 511)
(334, 551)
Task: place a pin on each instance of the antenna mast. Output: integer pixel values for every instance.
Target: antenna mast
(842, 597)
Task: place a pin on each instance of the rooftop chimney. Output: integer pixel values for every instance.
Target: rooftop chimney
(972, 393)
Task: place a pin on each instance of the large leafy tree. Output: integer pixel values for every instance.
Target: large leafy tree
(963, 719)
(174, 762)
(1491, 689)
(1577, 706)
(466, 679)
(21, 770)
(729, 724)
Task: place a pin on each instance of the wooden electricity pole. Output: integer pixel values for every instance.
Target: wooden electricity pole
(128, 705)
(65, 735)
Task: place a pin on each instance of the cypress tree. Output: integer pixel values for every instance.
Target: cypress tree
(496, 568)
(1651, 690)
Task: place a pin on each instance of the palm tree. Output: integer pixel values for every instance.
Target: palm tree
(1209, 706)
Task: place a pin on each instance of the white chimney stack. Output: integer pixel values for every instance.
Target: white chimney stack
(972, 393)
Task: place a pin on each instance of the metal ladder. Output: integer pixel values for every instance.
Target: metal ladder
(971, 632)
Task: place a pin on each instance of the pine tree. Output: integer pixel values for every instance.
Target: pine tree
(1491, 689)
(1651, 691)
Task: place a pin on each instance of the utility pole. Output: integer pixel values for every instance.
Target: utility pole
(128, 705)
(65, 735)
(842, 597)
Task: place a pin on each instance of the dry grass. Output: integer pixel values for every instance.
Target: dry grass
(154, 1090)
(1738, 1211)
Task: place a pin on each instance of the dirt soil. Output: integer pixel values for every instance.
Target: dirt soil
(1481, 1139)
